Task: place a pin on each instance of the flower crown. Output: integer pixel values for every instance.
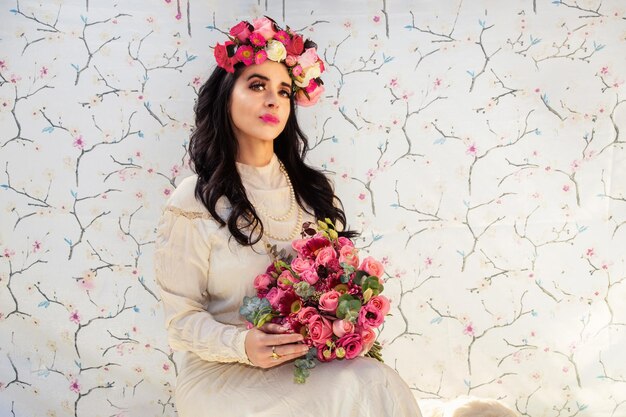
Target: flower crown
(254, 43)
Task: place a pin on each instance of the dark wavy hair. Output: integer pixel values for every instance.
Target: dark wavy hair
(213, 149)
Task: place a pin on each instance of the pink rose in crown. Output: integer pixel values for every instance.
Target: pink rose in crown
(265, 27)
(262, 282)
(308, 58)
(352, 343)
(325, 256)
(341, 327)
(372, 267)
(329, 301)
(313, 98)
(291, 61)
(241, 31)
(221, 56)
(380, 303)
(320, 329)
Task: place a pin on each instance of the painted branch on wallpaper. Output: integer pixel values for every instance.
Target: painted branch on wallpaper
(90, 54)
(440, 37)
(18, 135)
(487, 57)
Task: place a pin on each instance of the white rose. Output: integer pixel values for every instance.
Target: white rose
(276, 51)
(309, 74)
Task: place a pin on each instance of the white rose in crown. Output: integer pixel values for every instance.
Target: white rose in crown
(276, 51)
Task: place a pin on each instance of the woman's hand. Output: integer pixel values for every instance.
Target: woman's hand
(259, 343)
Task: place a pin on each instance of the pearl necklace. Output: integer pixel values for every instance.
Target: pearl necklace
(297, 226)
(292, 200)
(292, 235)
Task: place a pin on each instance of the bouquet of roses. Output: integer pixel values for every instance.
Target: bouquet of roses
(325, 294)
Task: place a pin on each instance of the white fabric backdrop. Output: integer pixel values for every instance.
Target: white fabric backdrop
(479, 147)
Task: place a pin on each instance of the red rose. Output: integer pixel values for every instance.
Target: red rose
(296, 46)
(221, 56)
(241, 31)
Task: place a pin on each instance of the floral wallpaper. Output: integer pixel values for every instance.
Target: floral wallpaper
(478, 146)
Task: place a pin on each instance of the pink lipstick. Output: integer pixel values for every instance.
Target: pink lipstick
(270, 118)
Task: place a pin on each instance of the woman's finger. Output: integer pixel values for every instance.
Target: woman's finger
(273, 328)
(282, 339)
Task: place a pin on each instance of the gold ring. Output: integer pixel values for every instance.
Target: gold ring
(274, 354)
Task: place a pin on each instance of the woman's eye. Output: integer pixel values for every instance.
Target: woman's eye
(257, 87)
(285, 93)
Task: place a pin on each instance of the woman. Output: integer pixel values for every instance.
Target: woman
(252, 190)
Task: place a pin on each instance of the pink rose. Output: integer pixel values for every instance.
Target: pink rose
(349, 255)
(372, 267)
(341, 327)
(309, 276)
(300, 265)
(265, 27)
(273, 296)
(221, 56)
(262, 282)
(303, 101)
(352, 343)
(344, 241)
(329, 301)
(320, 329)
(380, 303)
(369, 317)
(369, 337)
(296, 46)
(312, 86)
(305, 314)
(286, 279)
(299, 245)
(326, 255)
(291, 60)
(308, 58)
(240, 31)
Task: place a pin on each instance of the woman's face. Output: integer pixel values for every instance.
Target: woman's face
(259, 102)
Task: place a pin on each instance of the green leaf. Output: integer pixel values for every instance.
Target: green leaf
(358, 277)
(372, 283)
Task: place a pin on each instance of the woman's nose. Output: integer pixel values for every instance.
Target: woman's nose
(271, 98)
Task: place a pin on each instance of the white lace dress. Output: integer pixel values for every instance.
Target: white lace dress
(203, 275)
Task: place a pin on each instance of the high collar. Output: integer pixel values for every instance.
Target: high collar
(267, 177)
